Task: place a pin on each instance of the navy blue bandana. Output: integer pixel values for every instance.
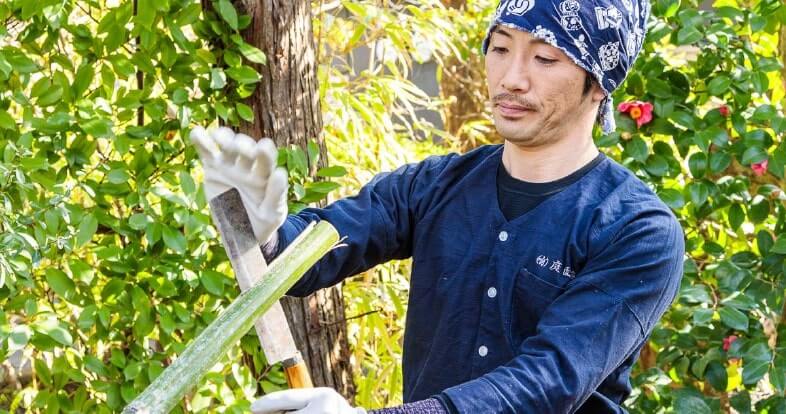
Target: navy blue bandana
(604, 36)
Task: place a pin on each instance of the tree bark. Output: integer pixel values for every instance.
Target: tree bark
(287, 109)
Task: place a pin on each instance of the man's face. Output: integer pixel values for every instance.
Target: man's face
(536, 90)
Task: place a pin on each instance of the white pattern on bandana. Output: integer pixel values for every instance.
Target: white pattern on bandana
(569, 13)
(608, 17)
(519, 7)
(545, 34)
(609, 55)
(581, 45)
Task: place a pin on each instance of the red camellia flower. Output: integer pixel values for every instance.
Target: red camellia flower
(639, 111)
(760, 168)
(724, 111)
(727, 341)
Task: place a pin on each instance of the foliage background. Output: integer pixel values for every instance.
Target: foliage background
(109, 263)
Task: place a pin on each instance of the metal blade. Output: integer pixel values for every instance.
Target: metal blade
(244, 252)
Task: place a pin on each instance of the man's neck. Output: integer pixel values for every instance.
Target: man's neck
(548, 163)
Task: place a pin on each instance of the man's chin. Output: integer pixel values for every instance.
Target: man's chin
(522, 135)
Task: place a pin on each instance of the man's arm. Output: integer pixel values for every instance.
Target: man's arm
(598, 322)
(375, 226)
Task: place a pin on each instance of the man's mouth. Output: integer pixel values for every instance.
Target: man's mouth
(512, 110)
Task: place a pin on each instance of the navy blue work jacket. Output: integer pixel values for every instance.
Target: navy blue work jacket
(542, 314)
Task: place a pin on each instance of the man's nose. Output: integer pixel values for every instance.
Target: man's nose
(517, 76)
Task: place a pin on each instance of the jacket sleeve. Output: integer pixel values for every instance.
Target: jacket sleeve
(602, 318)
(375, 226)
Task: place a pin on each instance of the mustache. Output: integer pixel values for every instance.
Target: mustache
(516, 99)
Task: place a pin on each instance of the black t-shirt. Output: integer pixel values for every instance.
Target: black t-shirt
(517, 197)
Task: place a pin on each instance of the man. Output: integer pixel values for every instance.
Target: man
(540, 267)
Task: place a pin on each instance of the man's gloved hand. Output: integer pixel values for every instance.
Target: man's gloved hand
(236, 160)
(305, 401)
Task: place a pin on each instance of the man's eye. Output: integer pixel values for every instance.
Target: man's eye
(546, 61)
(498, 49)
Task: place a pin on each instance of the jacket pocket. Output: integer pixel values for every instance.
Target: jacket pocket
(531, 296)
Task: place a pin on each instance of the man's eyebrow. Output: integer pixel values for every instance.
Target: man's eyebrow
(534, 40)
(501, 31)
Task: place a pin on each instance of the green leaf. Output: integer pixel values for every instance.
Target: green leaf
(87, 228)
(60, 283)
(754, 370)
(250, 52)
(719, 85)
(174, 239)
(146, 14)
(734, 319)
(82, 80)
(87, 318)
(697, 164)
(228, 13)
(780, 245)
(759, 351)
(51, 96)
(719, 161)
(297, 162)
(637, 149)
(691, 404)
(96, 366)
(696, 294)
(736, 216)
(243, 74)
(703, 316)
(97, 127)
(778, 376)
(218, 79)
(754, 155)
(19, 337)
(657, 165)
(187, 183)
(699, 193)
(759, 209)
(684, 119)
(717, 376)
(323, 187)
(132, 370)
(760, 82)
(245, 112)
(118, 176)
(333, 171)
(764, 113)
(55, 330)
(213, 282)
(139, 299)
(741, 402)
(7, 121)
(139, 221)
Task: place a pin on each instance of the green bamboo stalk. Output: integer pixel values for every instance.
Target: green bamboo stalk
(202, 354)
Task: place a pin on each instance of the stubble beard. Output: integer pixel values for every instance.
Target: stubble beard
(523, 134)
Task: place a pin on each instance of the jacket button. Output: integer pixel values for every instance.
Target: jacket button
(503, 236)
(483, 351)
(492, 292)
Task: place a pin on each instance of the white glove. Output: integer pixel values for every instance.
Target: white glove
(236, 160)
(305, 401)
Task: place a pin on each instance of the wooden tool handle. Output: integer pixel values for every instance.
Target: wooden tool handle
(297, 373)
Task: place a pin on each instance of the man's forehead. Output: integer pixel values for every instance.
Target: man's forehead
(511, 32)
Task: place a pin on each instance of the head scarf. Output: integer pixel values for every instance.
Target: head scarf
(604, 37)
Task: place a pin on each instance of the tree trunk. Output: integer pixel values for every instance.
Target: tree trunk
(287, 109)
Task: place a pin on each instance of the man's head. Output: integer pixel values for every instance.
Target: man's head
(539, 95)
(552, 64)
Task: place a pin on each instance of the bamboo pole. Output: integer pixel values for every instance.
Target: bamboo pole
(234, 322)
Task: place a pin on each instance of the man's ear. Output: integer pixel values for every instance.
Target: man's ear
(597, 93)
